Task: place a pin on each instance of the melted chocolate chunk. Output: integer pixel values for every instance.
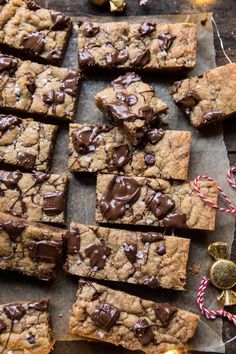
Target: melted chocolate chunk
(175, 220)
(143, 331)
(45, 251)
(86, 139)
(8, 63)
(70, 82)
(41, 306)
(151, 237)
(161, 250)
(213, 116)
(26, 159)
(86, 58)
(120, 111)
(147, 28)
(125, 80)
(14, 312)
(55, 54)
(53, 98)
(160, 204)
(188, 102)
(105, 316)
(8, 122)
(150, 159)
(153, 136)
(11, 179)
(59, 20)
(13, 228)
(141, 59)
(46, 274)
(121, 194)
(151, 282)
(31, 338)
(32, 5)
(166, 40)
(97, 255)
(120, 156)
(164, 313)
(90, 30)
(146, 113)
(40, 177)
(131, 100)
(131, 252)
(53, 203)
(3, 326)
(34, 42)
(117, 57)
(73, 241)
(31, 86)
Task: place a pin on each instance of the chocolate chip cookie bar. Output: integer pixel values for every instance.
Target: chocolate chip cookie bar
(103, 148)
(131, 104)
(29, 248)
(33, 32)
(25, 328)
(25, 143)
(148, 46)
(37, 197)
(119, 318)
(147, 258)
(209, 97)
(36, 89)
(154, 201)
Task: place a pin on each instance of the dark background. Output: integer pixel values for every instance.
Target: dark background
(225, 17)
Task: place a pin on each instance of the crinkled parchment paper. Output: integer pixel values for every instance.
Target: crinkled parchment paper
(208, 156)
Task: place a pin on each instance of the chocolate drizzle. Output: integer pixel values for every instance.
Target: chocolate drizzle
(151, 237)
(8, 122)
(44, 251)
(175, 220)
(143, 331)
(153, 136)
(164, 313)
(117, 57)
(166, 40)
(160, 204)
(53, 98)
(121, 194)
(147, 28)
(8, 63)
(125, 80)
(53, 203)
(70, 82)
(26, 159)
(141, 59)
(86, 139)
(73, 241)
(40, 177)
(34, 42)
(105, 316)
(188, 102)
(60, 21)
(131, 252)
(97, 255)
(14, 312)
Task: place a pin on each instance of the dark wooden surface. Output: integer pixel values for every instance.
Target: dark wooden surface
(224, 15)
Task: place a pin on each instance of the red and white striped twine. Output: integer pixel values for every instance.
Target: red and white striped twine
(211, 314)
(232, 208)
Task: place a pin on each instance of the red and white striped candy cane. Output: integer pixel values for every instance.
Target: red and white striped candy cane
(232, 208)
(211, 314)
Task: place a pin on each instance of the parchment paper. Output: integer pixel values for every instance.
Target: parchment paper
(208, 156)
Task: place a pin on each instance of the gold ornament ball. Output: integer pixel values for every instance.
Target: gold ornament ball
(99, 2)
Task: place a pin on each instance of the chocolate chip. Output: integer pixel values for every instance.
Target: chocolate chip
(131, 252)
(3, 326)
(73, 241)
(188, 102)
(14, 312)
(213, 116)
(32, 5)
(120, 155)
(125, 80)
(160, 204)
(105, 316)
(143, 331)
(151, 282)
(8, 63)
(131, 100)
(153, 136)
(120, 195)
(11, 179)
(70, 82)
(26, 159)
(117, 57)
(161, 250)
(13, 228)
(44, 251)
(41, 306)
(150, 159)
(60, 21)
(90, 30)
(87, 138)
(85, 58)
(204, 21)
(53, 203)
(8, 122)
(40, 177)
(151, 237)
(164, 313)
(166, 40)
(34, 42)
(45, 274)
(175, 220)
(97, 255)
(53, 98)
(147, 28)
(31, 338)
(141, 59)
(31, 86)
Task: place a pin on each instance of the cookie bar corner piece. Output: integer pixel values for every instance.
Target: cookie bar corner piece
(116, 317)
(209, 97)
(25, 327)
(131, 104)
